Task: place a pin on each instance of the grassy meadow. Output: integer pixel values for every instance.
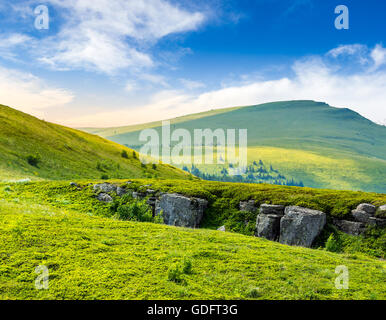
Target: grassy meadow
(91, 256)
(94, 251)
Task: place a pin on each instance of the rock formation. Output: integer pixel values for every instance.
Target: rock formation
(181, 211)
(300, 226)
(268, 221)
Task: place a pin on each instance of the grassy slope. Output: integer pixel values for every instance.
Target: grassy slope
(323, 146)
(65, 153)
(92, 257)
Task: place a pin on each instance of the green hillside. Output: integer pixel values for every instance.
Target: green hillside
(108, 132)
(35, 149)
(312, 142)
(91, 255)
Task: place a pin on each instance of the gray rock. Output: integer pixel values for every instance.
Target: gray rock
(300, 226)
(377, 222)
(350, 227)
(382, 211)
(248, 206)
(105, 187)
(138, 195)
(361, 216)
(181, 211)
(154, 203)
(268, 226)
(150, 191)
(222, 228)
(73, 184)
(121, 191)
(104, 197)
(366, 207)
(272, 209)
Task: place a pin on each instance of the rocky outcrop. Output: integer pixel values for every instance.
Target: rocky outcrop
(381, 212)
(153, 202)
(271, 209)
(300, 226)
(268, 226)
(377, 222)
(105, 187)
(178, 210)
(367, 207)
(104, 197)
(222, 228)
(361, 216)
(350, 227)
(121, 191)
(268, 221)
(364, 212)
(292, 225)
(138, 195)
(289, 225)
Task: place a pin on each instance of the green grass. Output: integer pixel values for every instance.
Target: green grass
(322, 146)
(92, 257)
(65, 153)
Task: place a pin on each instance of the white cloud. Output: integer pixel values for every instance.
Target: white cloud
(350, 49)
(30, 94)
(378, 54)
(131, 86)
(12, 40)
(162, 105)
(154, 79)
(314, 79)
(108, 35)
(192, 85)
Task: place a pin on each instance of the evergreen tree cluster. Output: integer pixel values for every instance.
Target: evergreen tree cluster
(257, 172)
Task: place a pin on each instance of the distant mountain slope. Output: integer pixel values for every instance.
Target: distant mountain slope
(112, 131)
(57, 152)
(306, 140)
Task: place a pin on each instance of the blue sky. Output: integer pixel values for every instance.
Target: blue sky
(117, 62)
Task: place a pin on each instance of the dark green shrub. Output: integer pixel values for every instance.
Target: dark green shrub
(187, 266)
(154, 166)
(253, 293)
(175, 274)
(135, 211)
(104, 176)
(124, 154)
(33, 160)
(105, 165)
(135, 155)
(99, 166)
(333, 244)
(159, 218)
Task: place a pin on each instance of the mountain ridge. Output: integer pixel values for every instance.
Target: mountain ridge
(337, 147)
